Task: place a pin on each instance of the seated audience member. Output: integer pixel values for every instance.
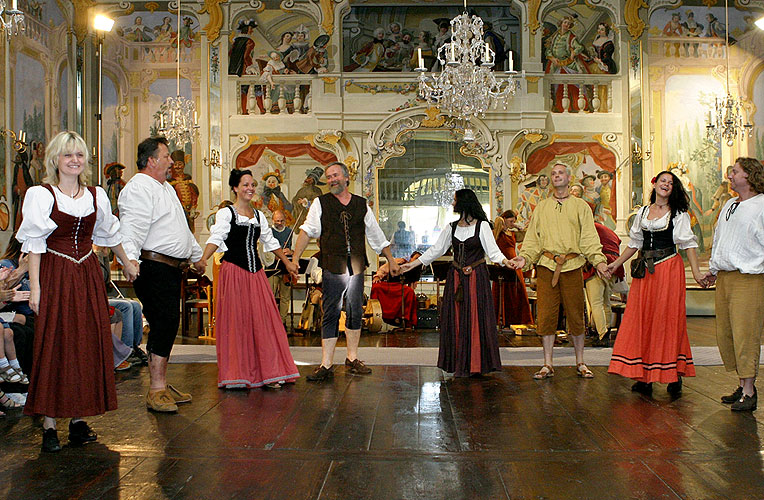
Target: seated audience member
(389, 294)
(122, 351)
(10, 369)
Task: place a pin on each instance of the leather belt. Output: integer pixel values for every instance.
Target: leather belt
(652, 257)
(469, 267)
(560, 260)
(165, 259)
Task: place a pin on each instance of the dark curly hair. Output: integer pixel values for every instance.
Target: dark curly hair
(236, 175)
(468, 205)
(755, 171)
(678, 200)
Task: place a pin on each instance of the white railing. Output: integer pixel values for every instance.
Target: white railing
(289, 94)
(688, 47)
(156, 53)
(580, 93)
(36, 30)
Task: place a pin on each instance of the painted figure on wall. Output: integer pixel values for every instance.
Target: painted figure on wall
(164, 30)
(533, 192)
(307, 193)
(139, 32)
(315, 60)
(566, 55)
(369, 56)
(22, 181)
(604, 215)
(424, 42)
(37, 164)
(240, 57)
(114, 184)
(187, 191)
(496, 42)
(273, 198)
(442, 37)
(603, 50)
(590, 196)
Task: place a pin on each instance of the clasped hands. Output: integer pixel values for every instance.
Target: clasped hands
(603, 270)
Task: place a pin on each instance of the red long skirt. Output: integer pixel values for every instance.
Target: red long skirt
(252, 344)
(652, 343)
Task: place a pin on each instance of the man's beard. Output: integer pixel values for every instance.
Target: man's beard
(337, 189)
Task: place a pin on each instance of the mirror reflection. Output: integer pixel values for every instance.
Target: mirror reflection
(416, 190)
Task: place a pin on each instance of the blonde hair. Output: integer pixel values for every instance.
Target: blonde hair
(63, 143)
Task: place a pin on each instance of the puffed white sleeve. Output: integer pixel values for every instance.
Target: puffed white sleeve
(270, 243)
(106, 231)
(374, 234)
(439, 249)
(220, 229)
(636, 238)
(312, 224)
(36, 225)
(489, 244)
(683, 235)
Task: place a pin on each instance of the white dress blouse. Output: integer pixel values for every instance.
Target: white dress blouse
(683, 236)
(219, 231)
(463, 233)
(37, 225)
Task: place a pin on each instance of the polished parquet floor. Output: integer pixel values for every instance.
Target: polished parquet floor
(404, 432)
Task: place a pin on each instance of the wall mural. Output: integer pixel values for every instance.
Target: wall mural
(592, 167)
(578, 40)
(160, 27)
(387, 38)
(687, 45)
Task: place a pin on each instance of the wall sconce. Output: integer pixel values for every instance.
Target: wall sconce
(637, 155)
(18, 142)
(213, 161)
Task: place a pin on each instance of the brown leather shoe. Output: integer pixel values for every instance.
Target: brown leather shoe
(178, 396)
(161, 401)
(357, 367)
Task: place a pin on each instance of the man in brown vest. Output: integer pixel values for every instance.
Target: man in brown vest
(342, 222)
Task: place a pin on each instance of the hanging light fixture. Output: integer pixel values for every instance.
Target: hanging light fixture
(725, 122)
(467, 86)
(12, 19)
(178, 120)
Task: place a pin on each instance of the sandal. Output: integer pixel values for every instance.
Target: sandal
(546, 371)
(10, 375)
(8, 403)
(584, 372)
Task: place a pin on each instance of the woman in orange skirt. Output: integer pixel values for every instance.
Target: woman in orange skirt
(516, 310)
(251, 342)
(652, 344)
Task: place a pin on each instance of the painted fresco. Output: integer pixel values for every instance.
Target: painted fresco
(110, 144)
(44, 11)
(380, 39)
(158, 27)
(592, 168)
(758, 117)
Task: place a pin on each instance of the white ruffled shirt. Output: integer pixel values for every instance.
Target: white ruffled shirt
(219, 231)
(37, 225)
(153, 219)
(739, 241)
(683, 236)
(462, 233)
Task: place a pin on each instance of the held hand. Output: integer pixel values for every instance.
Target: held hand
(292, 268)
(130, 270)
(700, 280)
(612, 267)
(200, 266)
(404, 268)
(603, 271)
(517, 263)
(34, 301)
(5, 272)
(395, 268)
(709, 279)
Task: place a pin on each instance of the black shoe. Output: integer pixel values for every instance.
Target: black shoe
(81, 433)
(320, 374)
(50, 443)
(138, 354)
(735, 396)
(602, 342)
(747, 403)
(643, 388)
(357, 367)
(675, 388)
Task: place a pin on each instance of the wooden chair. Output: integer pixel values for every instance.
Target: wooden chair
(195, 294)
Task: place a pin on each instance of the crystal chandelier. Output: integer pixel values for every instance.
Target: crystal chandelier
(178, 120)
(12, 19)
(725, 122)
(466, 86)
(445, 196)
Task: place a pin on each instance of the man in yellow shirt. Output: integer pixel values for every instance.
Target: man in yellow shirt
(560, 239)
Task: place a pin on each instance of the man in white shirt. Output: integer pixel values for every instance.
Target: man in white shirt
(737, 267)
(154, 230)
(342, 222)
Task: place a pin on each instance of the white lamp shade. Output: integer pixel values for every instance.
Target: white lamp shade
(103, 23)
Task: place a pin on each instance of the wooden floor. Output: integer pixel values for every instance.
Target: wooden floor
(404, 432)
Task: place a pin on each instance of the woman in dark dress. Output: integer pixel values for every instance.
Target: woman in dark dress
(604, 48)
(73, 373)
(468, 337)
(517, 309)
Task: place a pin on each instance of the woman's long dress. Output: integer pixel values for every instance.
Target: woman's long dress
(252, 344)
(468, 336)
(652, 343)
(73, 372)
(517, 309)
